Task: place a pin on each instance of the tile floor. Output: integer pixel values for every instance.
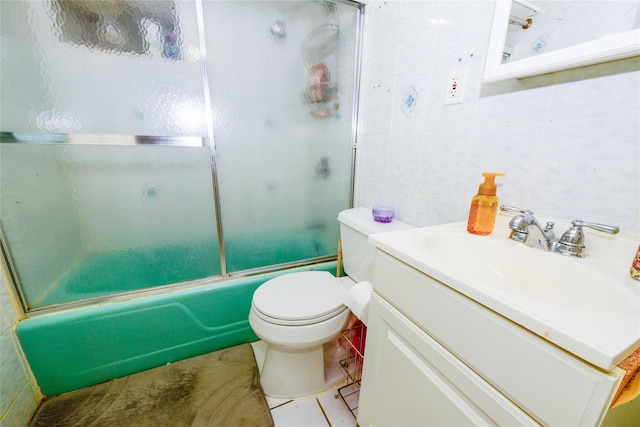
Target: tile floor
(329, 408)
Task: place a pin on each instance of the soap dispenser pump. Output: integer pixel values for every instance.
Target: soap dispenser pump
(484, 206)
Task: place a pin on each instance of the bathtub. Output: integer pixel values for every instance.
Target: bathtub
(84, 346)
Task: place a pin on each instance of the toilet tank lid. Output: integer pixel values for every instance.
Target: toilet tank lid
(361, 219)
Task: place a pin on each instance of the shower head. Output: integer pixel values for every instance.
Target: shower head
(279, 30)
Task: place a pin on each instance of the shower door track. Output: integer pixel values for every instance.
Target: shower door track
(171, 287)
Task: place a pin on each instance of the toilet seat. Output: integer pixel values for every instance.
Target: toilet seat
(299, 299)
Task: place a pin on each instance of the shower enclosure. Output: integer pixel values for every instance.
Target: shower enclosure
(154, 143)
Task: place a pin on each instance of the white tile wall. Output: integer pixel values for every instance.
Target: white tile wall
(569, 142)
(19, 397)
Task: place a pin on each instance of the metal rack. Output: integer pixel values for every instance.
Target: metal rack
(352, 365)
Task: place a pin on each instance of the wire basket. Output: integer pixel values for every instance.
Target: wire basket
(352, 364)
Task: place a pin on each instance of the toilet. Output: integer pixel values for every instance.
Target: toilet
(299, 314)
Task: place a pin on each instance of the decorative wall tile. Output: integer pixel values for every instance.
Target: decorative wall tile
(408, 100)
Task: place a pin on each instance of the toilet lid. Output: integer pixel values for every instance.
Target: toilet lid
(299, 298)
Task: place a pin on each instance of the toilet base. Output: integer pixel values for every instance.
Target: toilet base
(290, 373)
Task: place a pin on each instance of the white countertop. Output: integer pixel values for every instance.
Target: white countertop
(600, 335)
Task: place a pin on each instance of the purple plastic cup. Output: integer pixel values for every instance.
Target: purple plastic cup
(382, 214)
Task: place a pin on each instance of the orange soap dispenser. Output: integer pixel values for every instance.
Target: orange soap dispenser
(484, 206)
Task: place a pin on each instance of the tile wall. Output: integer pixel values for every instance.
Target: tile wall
(19, 397)
(569, 141)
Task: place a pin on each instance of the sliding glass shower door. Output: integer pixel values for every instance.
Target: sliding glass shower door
(150, 143)
(95, 199)
(282, 84)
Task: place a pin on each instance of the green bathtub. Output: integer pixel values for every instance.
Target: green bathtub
(80, 347)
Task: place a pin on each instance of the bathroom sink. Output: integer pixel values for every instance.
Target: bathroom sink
(505, 266)
(589, 306)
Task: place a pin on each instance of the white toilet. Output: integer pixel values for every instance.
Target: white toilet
(297, 313)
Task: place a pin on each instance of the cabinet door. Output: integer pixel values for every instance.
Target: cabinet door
(411, 380)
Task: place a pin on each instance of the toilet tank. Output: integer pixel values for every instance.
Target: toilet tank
(357, 253)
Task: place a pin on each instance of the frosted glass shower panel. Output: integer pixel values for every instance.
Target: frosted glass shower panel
(130, 67)
(84, 221)
(283, 120)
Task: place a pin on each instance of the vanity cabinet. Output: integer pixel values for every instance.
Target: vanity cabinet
(436, 357)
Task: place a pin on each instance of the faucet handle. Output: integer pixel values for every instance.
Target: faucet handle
(526, 213)
(505, 208)
(611, 229)
(572, 241)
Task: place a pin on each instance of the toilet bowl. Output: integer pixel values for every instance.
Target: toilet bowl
(296, 314)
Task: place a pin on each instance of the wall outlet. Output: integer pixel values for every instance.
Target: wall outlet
(455, 84)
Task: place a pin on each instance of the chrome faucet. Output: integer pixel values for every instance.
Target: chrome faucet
(526, 228)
